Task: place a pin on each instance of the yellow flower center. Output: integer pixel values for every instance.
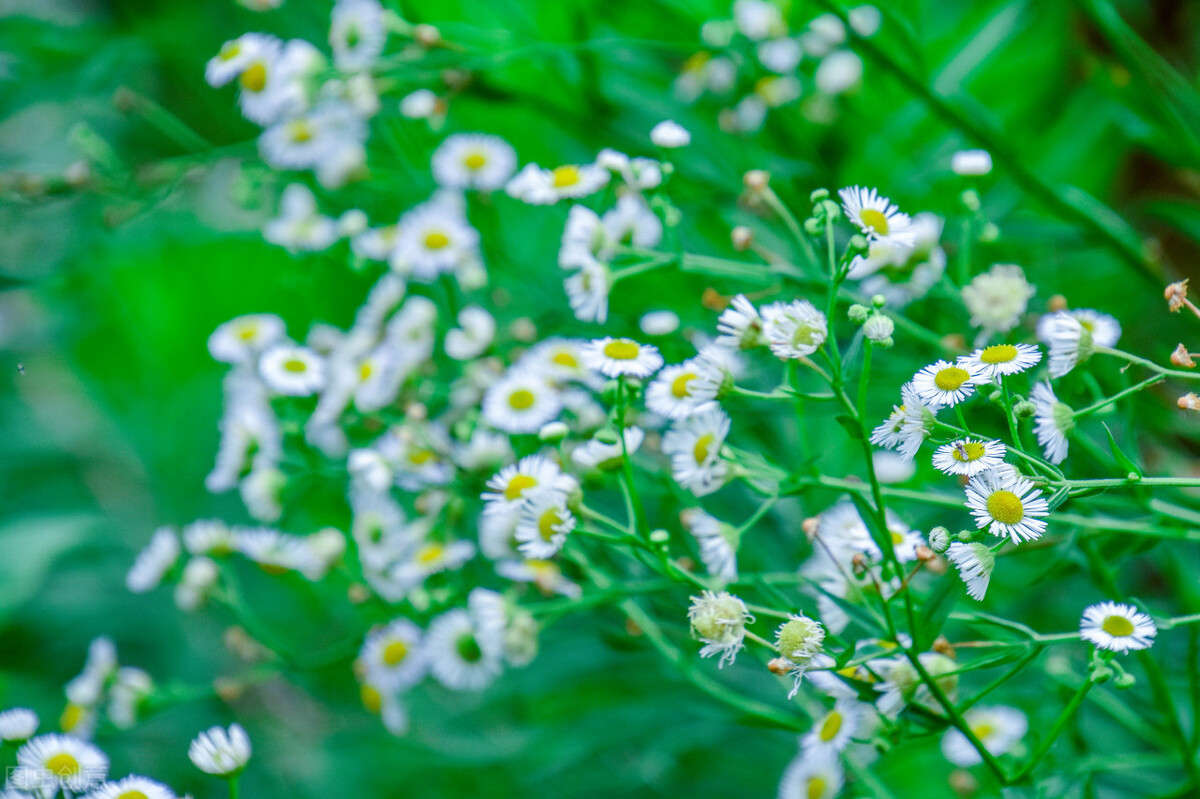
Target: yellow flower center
(679, 387)
(816, 787)
(547, 522)
(1005, 507)
(968, 451)
(295, 365)
(248, 333)
(230, 51)
(897, 538)
(474, 161)
(517, 486)
(700, 451)
(565, 359)
(622, 349)
(1118, 626)
(419, 457)
(951, 378)
(983, 730)
(999, 353)
(874, 220)
(62, 764)
(71, 716)
(830, 726)
(300, 131)
(372, 700)
(436, 240)
(132, 795)
(254, 77)
(521, 399)
(429, 554)
(364, 370)
(565, 176)
(395, 652)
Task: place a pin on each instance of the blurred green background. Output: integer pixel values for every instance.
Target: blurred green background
(110, 401)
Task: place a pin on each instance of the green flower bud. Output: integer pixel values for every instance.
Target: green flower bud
(553, 432)
(939, 539)
(878, 300)
(989, 233)
(818, 195)
(858, 313)
(970, 198)
(1024, 409)
(878, 328)
(813, 226)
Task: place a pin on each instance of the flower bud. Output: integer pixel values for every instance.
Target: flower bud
(1175, 295)
(858, 313)
(989, 233)
(970, 199)
(858, 244)
(756, 180)
(742, 237)
(1125, 680)
(1056, 303)
(939, 539)
(810, 527)
(779, 666)
(1181, 357)
(818, 195)
(659, 536)
(427, 35)
(553, 432)
(1189, 402)
(878, 300)
(1024, 409)
(813, 226)
(879, 328)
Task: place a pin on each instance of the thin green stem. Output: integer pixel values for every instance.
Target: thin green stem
(1162, 370)
(1061, 722)
(1149, 381)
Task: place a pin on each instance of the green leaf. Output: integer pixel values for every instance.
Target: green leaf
(1123, 460)
(851, 425)
(29, 548)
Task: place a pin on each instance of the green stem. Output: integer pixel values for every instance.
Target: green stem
(1047, 742)
(1149, 381)
(233, 787)
(1162, 370)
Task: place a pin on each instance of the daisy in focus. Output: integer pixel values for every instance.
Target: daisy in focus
(1117, 627)
(1007, 504)
(968, 456)
(876, 216)
(945, 383)
(1000, 360)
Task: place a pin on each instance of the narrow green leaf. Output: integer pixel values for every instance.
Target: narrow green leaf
(1123, 460)
(936, 611)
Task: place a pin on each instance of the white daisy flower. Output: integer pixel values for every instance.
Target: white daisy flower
(876, 216)
(824, 34)
(357, 33)
(740, 325)
(891, 468)
(670, 135)
(834, 730)
(299, 226)
(391, 656)
(430, 557)
(200, 576)
(997, 299)
(904, 540)
(273, 85)
(587, 292)
(474, 161)
(684, 389)
(584, 239)
(794, 330)
(945, 383)
(718, 543)
(88, 687)
(1104, 329)
(133, 787)
(659, 323)
(463, 655)
(614, 357)
(607, 455)
(841, 532)
(276, 552)
(17, 724)
(473, 336)
(971, 162)
(719, 620)
(421, 104)
(154, 561)
(375, 244)
(975, 563)
(208, 537)
(538, 186)
(240, 339)
(219, 752)
(997, 727)
(902, 685)
(545, 574)
(1007, 504)
(307, 140)
(638, 174)
(238, 54)
(1117, 627)
(129, 690)
(813, 774)
(292, 371)
(781, 56)
(1000, 360)
(694, 446)
(543, 523)
(521, 402)
(434, 239)
(61, 762)
(968, 456)
(510, 485)
(631, 222)
(1053, 422)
